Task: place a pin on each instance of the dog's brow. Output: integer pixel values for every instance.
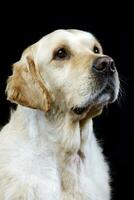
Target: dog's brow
(62, 45)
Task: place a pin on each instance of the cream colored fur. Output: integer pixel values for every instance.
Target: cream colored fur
(47, 152)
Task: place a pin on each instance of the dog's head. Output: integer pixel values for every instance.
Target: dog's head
(66, 69)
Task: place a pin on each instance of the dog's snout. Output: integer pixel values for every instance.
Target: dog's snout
(104, 64)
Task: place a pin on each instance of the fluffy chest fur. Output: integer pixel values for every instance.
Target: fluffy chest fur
(35, 166)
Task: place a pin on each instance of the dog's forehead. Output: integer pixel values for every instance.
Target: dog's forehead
(70, 36)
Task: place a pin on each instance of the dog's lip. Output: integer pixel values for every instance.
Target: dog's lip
(79, 110)
(103, 98)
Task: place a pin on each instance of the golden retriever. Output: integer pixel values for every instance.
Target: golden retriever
(48, 150)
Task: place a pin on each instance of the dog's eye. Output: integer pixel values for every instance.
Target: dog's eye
(60, 54)
(96, 49)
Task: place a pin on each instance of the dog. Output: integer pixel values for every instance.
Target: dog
(48, 149)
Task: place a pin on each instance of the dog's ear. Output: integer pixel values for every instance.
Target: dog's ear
(26, 86)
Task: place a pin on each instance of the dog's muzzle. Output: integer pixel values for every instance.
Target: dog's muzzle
(107, 77)
(106, 90)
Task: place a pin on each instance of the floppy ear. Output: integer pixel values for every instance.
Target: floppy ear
(26, 86)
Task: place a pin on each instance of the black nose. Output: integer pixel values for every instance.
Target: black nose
(104, 64)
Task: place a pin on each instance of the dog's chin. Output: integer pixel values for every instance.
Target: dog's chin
(94, 105)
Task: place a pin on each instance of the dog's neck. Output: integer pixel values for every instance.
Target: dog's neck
(62, 131)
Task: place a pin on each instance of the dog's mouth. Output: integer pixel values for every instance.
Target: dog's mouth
(95, 103)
